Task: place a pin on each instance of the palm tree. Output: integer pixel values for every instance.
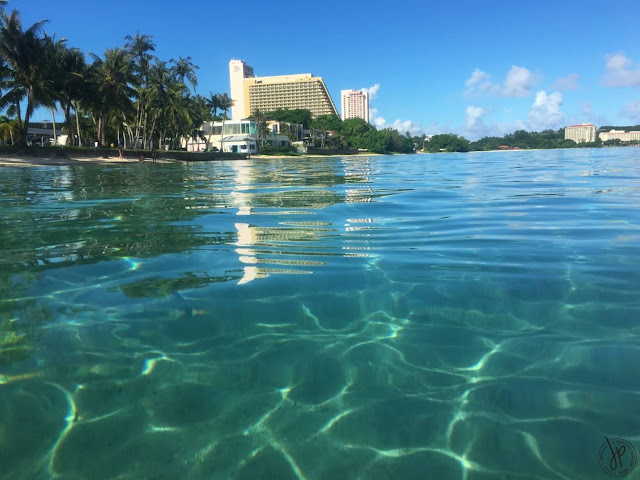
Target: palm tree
(70, 86)
(55, 52)
(24, 54)
(184, 69)
(263, 126)
(224, 103)
(7, 128)
(139, 47)
(113, 81)
(213, 103)
(165, 97)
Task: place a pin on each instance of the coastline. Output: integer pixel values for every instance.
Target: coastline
(60, 162)
(33, 161)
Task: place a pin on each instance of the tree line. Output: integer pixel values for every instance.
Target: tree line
(520, 139)
(126, 95)
(350, 133)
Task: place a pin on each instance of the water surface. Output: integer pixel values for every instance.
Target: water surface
(429, 316)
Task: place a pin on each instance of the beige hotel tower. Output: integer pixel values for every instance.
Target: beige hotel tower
(250, 93)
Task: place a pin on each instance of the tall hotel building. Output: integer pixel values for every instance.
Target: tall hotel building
(355, 104)
(266, 94)
(585, 132)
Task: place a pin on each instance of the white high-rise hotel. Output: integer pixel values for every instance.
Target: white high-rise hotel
(355, 104)
(238, 71)
(266, 94)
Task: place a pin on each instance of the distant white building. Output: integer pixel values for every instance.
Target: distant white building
(621, 135)
(355, 104)
(585, 132)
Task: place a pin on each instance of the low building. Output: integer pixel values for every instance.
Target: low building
(242, 136)
(585, 132)
(621, 135)
(42, 133)
(240, 144)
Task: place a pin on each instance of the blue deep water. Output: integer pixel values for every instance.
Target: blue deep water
(451, 316)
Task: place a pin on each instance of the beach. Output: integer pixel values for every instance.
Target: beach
(48, 161)
(25, 161)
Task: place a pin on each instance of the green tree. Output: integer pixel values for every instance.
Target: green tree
(139, 48)
(165, 95)
(184, 69)
(448, 143)
(263, 126)
(224, 103)
(113, 80)
(328, 122)
(8, 128)
(70, 83)
(23, 51)
(301, 116)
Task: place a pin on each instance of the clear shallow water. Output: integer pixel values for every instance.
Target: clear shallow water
(435, 316)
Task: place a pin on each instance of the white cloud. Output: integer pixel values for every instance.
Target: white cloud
(372, 91)
(518, 83)
(480, 82)
(475, 127)
(589, 115)
(632, 111)
(619, 71)
(473, 117)
(570, 82)
(545, 112)
(402, 126)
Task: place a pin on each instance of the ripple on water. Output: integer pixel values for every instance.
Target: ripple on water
(447, 316)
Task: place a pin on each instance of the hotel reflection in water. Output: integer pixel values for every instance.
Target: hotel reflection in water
(266, 250)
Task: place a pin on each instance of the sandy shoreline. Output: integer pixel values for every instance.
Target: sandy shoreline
(46, 161)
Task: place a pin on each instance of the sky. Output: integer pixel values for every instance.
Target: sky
(467, 67)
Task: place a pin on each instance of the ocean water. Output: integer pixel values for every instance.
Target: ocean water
(466, 316)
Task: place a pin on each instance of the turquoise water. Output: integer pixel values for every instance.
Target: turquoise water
(471, 316)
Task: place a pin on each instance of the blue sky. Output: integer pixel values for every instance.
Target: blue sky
(473, 68)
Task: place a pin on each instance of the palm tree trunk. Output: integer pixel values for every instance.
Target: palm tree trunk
(78, 125)
(19, 116)
(27, 116)
(53, 119)
(138, 121)
(68, 121)
(153, 128)
(222, 133)
(144, 131)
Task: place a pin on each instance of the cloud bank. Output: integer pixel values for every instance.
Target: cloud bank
(519, 82)
(570, 82)
(632, 111)
(372, 91)
(619, 71)
(545, 112)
